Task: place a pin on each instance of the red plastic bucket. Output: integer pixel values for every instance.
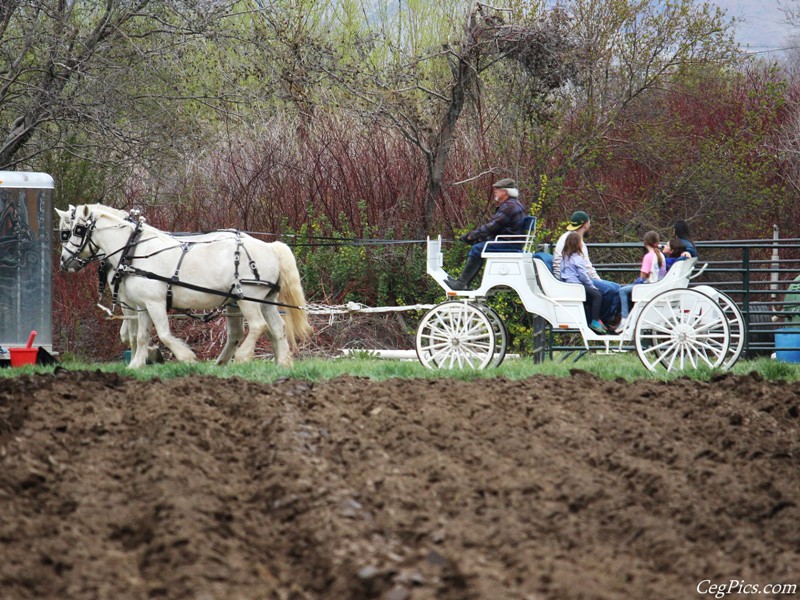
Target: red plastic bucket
(26, 355)
(23, 356)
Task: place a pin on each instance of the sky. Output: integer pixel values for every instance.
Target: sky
(762, 27)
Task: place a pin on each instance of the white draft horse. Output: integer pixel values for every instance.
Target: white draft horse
(158, 270)
(128, 331)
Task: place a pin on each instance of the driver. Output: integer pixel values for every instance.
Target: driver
(507, 220)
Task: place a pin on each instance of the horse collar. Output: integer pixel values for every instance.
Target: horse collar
(125, 260)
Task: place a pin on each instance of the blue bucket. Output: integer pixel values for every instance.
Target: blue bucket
(790, 340)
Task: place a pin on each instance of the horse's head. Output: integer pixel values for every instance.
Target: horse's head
(75, 227)
(65, 219)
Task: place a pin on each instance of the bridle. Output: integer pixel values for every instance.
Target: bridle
(84, 232)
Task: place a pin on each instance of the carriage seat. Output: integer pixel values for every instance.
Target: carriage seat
(676, 278)
(555, 289)
(523, 242)
(545, 257)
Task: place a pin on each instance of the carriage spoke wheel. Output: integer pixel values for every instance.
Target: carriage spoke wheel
(500, 334)
(456, 335)
(736, 324)
(737, 327)
(682, 329)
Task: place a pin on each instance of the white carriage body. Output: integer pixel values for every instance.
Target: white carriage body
(671, 325)
(561, 304)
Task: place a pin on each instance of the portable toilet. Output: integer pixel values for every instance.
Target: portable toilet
(26, 254)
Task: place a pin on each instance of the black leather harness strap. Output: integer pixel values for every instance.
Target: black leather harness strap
(185, 247)
(199, 288)
(125, 260)
(102, 275)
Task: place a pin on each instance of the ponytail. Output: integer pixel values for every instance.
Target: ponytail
(651, 239)
(660, 256)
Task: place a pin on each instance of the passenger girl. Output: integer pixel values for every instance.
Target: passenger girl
(682, 233)
(573, 270)
(674, 250)
(653, 268)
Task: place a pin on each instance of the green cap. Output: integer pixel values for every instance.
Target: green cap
(577, 219)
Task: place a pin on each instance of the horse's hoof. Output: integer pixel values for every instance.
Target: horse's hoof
(154, 355)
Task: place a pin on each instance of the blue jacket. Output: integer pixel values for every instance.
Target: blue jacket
(689, 247)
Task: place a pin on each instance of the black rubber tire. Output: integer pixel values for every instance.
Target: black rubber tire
(761, 340)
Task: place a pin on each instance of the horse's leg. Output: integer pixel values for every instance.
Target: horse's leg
(256, 325)
(129, 334)
(235, 334)
(126, 336)
(139, 348)
(158, 313)
(129, 330)
(277, 335)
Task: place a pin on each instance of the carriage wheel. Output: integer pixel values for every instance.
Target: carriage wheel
(738, 329)
(456, 335)
(500, 335)
(682, 328)
(736, 323)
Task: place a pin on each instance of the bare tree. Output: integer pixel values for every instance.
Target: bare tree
(101, 68)
(791, 12)
(425, 105)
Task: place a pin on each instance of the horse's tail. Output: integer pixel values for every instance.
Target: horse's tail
(297, 326)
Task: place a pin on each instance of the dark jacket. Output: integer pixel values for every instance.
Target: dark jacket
(689, 247)
(506, 221)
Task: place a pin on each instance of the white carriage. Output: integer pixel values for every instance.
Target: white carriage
(672, 326)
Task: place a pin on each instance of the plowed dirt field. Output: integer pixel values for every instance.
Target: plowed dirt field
(210, 489)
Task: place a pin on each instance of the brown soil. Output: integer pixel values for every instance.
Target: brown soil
(206, 489)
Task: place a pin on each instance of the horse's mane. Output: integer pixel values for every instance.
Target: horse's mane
(125, 216)
(122, 214)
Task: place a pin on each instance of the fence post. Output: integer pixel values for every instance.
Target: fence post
(776, 262)
(539, 327)
(746, 293)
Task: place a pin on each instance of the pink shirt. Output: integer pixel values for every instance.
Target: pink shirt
(650, 266)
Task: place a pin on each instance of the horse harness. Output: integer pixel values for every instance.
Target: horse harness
(125, 266)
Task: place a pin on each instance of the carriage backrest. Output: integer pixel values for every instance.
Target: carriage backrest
(676, 278)
(555, 289)
(529, 229)
(523, 242)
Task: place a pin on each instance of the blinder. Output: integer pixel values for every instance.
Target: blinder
(79, 230)
(83, 232)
